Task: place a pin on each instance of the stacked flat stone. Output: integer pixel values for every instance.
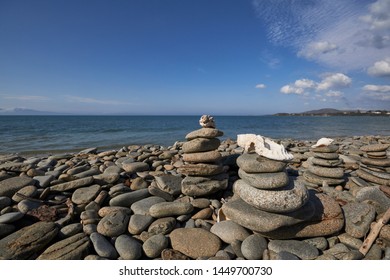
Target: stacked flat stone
(203, 170)
(375, 164)
(264, 197)
(325, 166)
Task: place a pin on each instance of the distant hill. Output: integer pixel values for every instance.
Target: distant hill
(24, 112)
(335, 112)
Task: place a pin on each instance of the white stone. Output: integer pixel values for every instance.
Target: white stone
(323, 142)
(263, 146)
(207, 121)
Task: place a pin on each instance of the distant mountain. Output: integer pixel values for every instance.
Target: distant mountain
(335, 112)
(24, 112)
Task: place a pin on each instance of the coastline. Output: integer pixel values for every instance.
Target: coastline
(67, 191)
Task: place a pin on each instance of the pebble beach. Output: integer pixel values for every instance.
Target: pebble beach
(202, 198)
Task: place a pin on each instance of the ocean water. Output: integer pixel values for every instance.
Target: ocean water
(54, 134)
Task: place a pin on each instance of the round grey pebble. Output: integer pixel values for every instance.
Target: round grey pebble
(5, 201)
(10, 217)
(155, 245)
(138, 223)
(252, 248)
(229, 231)
(142, 206)
(69, 230)
(27, 205)
(103, 247)
(128, 247)
(303, 250)
(114, 224)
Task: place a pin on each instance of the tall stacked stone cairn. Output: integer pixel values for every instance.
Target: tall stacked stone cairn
(202, 167)
(374, 166)
(268, 202)
(325, 166)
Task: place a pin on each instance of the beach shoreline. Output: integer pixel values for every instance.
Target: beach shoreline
(71, 194)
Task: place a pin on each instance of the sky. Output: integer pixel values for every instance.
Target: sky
(194, 57)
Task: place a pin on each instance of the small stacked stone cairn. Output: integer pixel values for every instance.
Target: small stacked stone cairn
(202, 167)
(265, 199)
(375, 164)
(325, 165)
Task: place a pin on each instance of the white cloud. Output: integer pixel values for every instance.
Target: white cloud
(334, 93)
(24, 97)
(290, 89)
(345, 35)
(377, 92)
(377, 88)
(317, 48)
(334, 80)
(260, 86)
(329, 81)
(380, 68)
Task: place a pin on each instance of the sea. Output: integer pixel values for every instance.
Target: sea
(60, 134)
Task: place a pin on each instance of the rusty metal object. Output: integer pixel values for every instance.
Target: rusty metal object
(44, 213)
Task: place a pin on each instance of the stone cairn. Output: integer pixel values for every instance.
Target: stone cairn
(325, 166)
(266, 201)
(374, 166)
(203, 170)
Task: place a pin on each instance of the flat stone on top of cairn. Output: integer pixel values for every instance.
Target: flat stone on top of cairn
(203, 170)
(325, 166)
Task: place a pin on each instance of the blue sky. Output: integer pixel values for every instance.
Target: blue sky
(219, 57)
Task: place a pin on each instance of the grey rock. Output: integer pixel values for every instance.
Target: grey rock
(326, 163)
(368, 176)
(16, 166)
(338, 250)
(113, 224)
(44, 180)
(228, 231)
(381, 201)
(283, 200)
(352, 255)
(265, 180)
(333, 172)
(210, 156)
(375, 147)
(27, 191)
(142, 206)
(169, 183)
(72, 248)
(138, 184)
(10, 217)
(350, 242)
(201, 203)
(154, 245)
(257, 220)
(26, 242)
(10, 186)
(195, 242)
(166, 209)
(154, 190)
(203, 186)
(253, 163)
(201, 145)
(163, 226)
(253, 247)
(70, 230)
(4, 202)
(375, 253)
(283, 255)
(330, 156)
(318, 180)
(376, 162)
(72, 184)
(6, 229)
(127, 199)
(103, 247)
(303, 250)
(128, 247)
(205, 132)
(134, 167)
(86, 194)
(200, 169)
(27, 205)
(319, 242)
(358, 218)
(138, 223)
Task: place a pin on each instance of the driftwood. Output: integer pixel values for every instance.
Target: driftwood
(374, 232)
